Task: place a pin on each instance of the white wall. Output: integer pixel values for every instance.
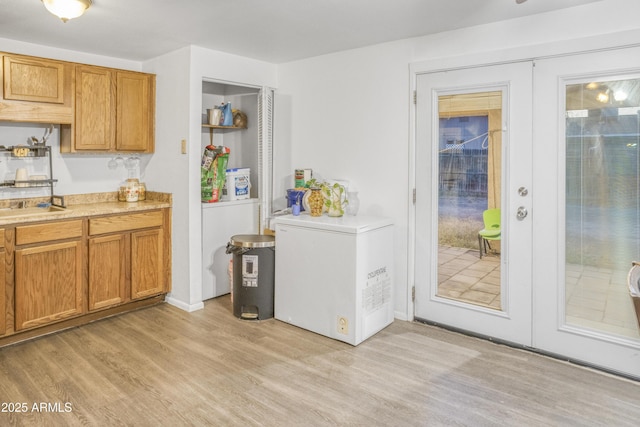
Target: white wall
(169, 169)
(347, 115)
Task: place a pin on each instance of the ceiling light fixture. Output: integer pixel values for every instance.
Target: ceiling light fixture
(67, 9)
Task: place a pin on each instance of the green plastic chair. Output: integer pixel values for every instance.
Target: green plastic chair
(491, 230)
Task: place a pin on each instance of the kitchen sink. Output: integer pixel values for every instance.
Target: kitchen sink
(33, 211)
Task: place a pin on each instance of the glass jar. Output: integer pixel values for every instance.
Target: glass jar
(142, 191)
(132, 189)
(316, 202)
(122, 192)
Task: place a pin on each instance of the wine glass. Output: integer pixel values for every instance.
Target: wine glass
(114, 163)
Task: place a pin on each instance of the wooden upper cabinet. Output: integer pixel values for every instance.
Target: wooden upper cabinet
(95, 109)
(135, 109)
(115, 111)
(99, 109)
(30, 79)
(36, 90)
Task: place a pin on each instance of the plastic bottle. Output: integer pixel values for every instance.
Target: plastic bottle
(228, 115)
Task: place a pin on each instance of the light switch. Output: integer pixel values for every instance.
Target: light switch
(183, 146)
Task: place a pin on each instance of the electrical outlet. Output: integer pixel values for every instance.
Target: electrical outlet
(343, 325)
(183, 147)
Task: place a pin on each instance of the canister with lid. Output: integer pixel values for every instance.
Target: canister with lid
(132, 189)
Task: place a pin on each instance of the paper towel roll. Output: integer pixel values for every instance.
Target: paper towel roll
(22, 175)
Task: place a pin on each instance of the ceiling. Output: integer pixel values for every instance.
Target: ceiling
(275, 31)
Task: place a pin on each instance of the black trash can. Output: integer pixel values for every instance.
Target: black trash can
(253, 275)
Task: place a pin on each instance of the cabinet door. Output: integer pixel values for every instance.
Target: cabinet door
(95, 109)
(3, 307)
(48, 284)
(106, 271)
(135, 112)
(33, 79)
(146, 263)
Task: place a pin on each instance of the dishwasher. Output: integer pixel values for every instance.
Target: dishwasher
(334, 275)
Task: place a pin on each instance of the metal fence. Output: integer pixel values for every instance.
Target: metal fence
(463, 173)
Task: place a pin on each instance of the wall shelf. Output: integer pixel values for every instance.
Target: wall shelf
(218, 127)
(28, 184)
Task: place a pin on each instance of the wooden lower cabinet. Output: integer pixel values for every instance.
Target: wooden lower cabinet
(126, 258)
(56, 274)
(147, 265)
(106, 271)
(3, 301)
(48, 283)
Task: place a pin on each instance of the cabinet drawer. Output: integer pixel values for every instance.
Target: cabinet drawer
(112, 224)
(1, 238)
(26, 234)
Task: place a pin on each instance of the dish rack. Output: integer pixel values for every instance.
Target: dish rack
(24, 152)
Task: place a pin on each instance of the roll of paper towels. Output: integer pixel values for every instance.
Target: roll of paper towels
(22, 175)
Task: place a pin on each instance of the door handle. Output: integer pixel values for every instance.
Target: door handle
(521, 213)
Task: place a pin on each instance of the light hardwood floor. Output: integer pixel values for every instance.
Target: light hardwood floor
(161, 366)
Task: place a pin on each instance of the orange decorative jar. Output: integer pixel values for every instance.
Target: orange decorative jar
(316, 202)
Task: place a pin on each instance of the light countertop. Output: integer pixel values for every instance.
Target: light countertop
(81, 206)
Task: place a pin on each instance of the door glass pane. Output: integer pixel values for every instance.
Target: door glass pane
(469, 179)
(602, 204)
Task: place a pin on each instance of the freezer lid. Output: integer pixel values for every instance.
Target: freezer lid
(343, 224)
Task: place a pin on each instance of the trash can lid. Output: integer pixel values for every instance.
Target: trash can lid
(253, 241)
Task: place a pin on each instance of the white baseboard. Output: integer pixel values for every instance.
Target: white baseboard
(400, 315)
(183, 305)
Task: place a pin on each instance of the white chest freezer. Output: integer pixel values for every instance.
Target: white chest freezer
(334, 276)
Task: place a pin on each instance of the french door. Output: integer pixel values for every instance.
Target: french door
(555, 148)
(473, 155)
(587, 146)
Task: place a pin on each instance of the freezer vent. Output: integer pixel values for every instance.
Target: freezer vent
(265, 153)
